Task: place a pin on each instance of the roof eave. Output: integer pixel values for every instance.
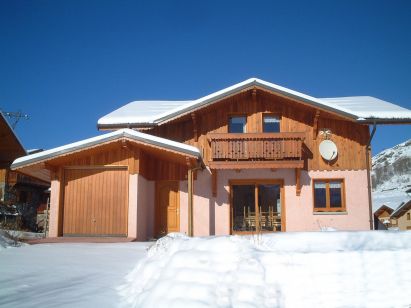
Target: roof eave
(125, 125)
(384, 121)
(13, 133)
(112, 137)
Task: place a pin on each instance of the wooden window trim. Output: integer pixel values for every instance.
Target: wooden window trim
(327, 208)
(270, 114)
(235, 114)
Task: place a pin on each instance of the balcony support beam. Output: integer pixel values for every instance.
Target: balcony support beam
(214, 176)
(315, 125)
(195, 132)
(298, 181)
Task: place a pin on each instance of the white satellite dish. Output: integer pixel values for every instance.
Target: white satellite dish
(328, 150)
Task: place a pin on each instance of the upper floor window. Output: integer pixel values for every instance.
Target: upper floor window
(271, 124)
(329, 195)
(237, 124)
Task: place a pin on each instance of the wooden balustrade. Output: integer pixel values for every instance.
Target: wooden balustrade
(256, 146)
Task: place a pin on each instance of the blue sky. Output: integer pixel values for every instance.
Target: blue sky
(67, 63)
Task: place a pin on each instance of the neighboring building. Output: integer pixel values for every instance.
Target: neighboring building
(382, 218)
(10, 149)
(386, 217)
(401, 217)
(20, 195)
(242, 159)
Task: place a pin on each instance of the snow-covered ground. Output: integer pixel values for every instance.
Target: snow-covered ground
(318, 269)
(301, 269)
(66, 275)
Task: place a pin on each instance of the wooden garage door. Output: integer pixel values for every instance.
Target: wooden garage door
(95, 202)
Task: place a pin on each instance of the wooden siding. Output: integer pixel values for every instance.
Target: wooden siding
(149, 164)
(95, 201)
(351, 138)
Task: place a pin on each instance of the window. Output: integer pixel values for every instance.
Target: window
(237, 124)
(408, 216)
(256, 206)
(271, 124)
(329, 196)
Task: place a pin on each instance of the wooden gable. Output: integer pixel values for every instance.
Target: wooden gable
(351, 138)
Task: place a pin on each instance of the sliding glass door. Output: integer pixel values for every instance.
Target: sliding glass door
(256, 206)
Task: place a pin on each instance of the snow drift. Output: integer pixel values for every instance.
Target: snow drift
(6, 240)
(318, 269)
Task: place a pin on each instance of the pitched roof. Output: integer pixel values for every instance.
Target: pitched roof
(383, 208)
(10, 145)
(151, 113)
(122, 133)
(402, 209)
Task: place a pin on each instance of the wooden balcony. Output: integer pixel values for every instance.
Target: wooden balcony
(256, 150)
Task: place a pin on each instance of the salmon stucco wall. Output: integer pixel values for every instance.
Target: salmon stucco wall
(132, 206)
(212, 214)
(54, 208)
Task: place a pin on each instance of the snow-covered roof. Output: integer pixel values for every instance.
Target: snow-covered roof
(122, 133)
(151, 113)
(404, 207)
(144, 112)
(368, 107)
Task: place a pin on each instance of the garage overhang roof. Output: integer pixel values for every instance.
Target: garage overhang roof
(22, 163)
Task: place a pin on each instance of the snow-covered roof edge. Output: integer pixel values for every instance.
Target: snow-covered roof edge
(114, 122)
(12, 131)
(249, 83)
(127, 133)
(401, 208)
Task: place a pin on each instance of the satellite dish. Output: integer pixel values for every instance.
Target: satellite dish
(328, 150)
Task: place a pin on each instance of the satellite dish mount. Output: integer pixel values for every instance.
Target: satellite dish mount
(328, 149)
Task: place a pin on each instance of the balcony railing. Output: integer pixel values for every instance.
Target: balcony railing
(256, 147)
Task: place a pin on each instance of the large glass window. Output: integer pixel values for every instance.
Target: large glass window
(271, 124)
(237, 124)
(328, 195)
(247, 216)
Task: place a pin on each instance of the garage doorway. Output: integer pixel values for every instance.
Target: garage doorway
(95, 201)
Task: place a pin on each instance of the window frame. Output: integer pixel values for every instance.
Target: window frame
(237, 115)
(328, 207)
(270, 114)
(255, 183)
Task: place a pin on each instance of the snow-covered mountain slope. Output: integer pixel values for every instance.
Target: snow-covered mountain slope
(391, 176)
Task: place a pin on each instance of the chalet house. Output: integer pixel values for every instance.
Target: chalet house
(252, 157)
(382, 217)
(386, 217)
(401, 217)
(16, 188)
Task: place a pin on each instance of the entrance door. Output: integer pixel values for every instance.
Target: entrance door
(167, 207)
(256, 206)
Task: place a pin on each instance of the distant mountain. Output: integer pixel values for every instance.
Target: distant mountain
(391, 176)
